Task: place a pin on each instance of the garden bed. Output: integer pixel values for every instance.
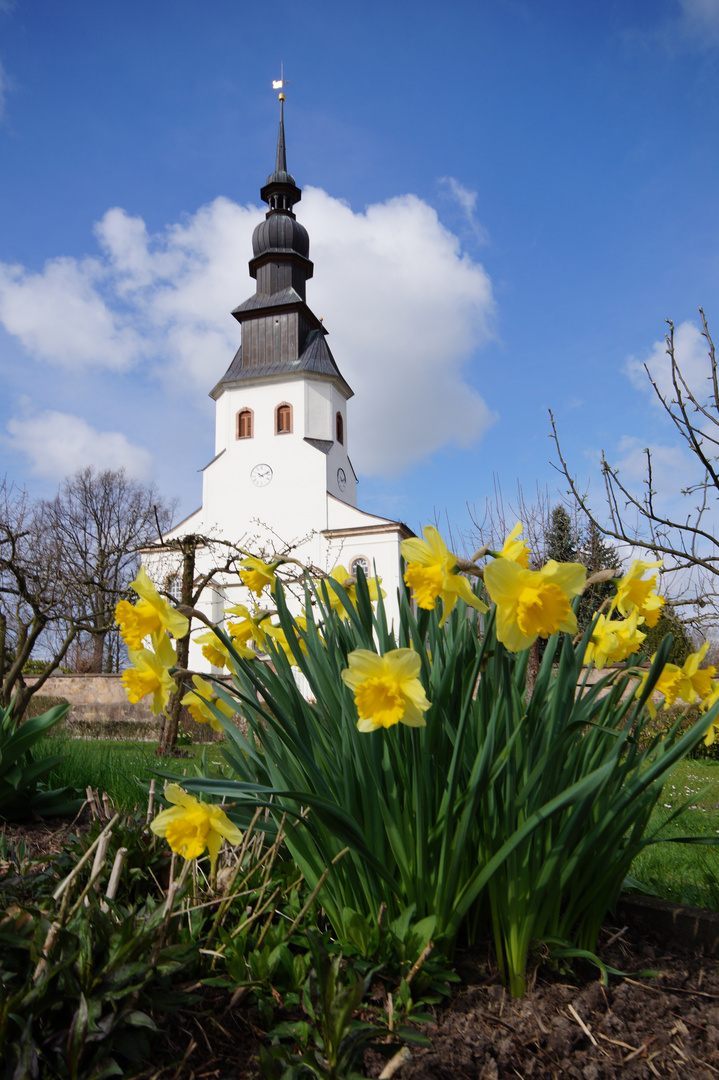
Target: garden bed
(636, 1027)
(568, 1025)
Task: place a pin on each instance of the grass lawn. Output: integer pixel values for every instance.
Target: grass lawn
(685, 873)
(123, 769)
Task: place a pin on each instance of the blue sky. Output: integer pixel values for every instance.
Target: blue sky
(505, 201)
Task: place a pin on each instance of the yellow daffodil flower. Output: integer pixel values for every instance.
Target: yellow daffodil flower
(514, 549)
(151, 615)
(199, 700)
(613, 640)
(533, 603)
(258, 574)
(250, 629)
(214, 650)
(431, 573)
(349, 584)
(692, 683)
(689, 683)
(602, 644)
(149, 674)
(710, 700)
(634, 593)
(387, 689)
(191, 826)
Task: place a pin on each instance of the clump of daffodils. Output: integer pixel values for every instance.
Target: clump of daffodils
(530, 604)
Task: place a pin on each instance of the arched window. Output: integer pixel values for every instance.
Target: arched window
(363, 564)
(283, 419)
(340, 429)
(244, 424)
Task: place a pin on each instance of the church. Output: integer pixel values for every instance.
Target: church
(281, 480)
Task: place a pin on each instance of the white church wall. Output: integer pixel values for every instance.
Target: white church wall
(318, 423)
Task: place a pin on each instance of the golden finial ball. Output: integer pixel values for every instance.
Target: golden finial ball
(281, 97)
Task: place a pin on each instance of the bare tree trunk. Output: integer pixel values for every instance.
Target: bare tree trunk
(98, 652)
(168, 739)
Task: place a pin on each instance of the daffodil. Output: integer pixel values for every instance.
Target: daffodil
(613, 640)
(431, 574)
(190, 826)
(533, 603)
(636, 593)
(198, 703)
(151, 615)
(149, 674)
(386, 688)
(514, 549)
(278, 634)
(349, 584)
(694, 683)
(213, 649)
(689, 683)
(250, 629)
(710, 700)
(257, 574)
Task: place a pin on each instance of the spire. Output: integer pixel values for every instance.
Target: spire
(281, 192)
(281, 159)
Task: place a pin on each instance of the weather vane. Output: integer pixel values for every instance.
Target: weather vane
(278, 84)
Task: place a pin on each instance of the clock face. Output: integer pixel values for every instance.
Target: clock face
(341, 479)
(261, 475)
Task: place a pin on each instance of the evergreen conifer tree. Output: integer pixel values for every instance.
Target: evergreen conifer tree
(561, 539)
(596, 555)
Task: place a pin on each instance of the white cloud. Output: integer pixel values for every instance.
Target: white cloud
(405, 310)
(60, 315)
(58, 444)
(701, 19)
(405, 307)
(691, 353)
(466, 199)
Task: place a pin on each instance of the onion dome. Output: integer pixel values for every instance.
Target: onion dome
(280, 232)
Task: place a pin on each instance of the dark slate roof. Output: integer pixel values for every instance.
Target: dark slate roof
(316, 358)
(325, 445)
(266, 300)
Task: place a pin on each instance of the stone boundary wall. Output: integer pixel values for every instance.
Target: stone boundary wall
(99, 709)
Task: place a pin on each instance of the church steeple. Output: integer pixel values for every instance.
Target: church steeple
(280, 333)
(281, 191)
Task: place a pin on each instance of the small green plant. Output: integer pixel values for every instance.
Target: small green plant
(332, 1041)
(22, 792)
(82, 974)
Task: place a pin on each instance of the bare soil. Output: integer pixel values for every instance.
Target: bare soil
(637, 1026)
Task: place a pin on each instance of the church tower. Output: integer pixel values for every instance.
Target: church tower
(281, 477)
(281, 406)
